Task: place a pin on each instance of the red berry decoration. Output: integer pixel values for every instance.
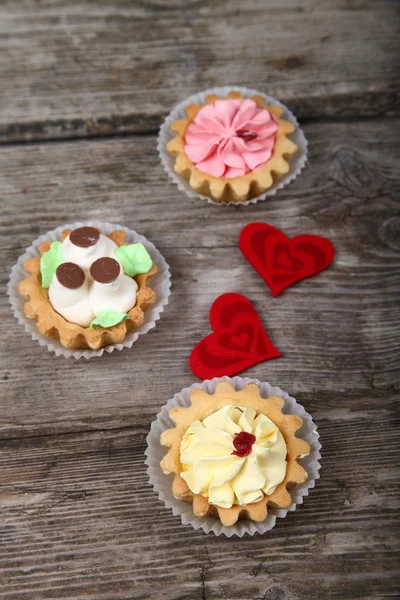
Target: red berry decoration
(243, 443)
(246, 134)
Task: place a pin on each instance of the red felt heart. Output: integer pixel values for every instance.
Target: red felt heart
(282, 261)
(238, 340)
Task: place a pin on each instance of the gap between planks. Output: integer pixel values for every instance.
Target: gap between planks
(119, 135)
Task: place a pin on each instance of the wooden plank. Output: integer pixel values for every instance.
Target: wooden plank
(79, 521)
(70, 69)
(339, 330)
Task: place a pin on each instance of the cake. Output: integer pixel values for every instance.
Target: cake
(232, 149)
(233, 454)
(88, 290)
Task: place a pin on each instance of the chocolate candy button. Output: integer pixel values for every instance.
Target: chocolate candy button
(70, 275)
(105, 270)
(84, 237)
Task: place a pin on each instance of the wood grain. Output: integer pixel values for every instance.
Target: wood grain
(87, 68)
(78, 519)
(347, 193)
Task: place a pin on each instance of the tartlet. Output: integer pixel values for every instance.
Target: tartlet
(268, 426)
(72, 335)
(255, 151)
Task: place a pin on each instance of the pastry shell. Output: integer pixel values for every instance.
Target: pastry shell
(235, 189)
(73, 336)
(204, 404)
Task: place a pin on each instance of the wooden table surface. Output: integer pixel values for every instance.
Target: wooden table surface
(84, 87)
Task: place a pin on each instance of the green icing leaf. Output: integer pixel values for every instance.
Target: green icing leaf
(134, 259)
(49, 263)
(108, 318)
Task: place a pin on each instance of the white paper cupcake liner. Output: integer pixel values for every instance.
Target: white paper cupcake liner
(161, 285)
(162, 483)
(296, 163)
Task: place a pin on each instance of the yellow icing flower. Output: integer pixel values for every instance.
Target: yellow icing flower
(233, 456)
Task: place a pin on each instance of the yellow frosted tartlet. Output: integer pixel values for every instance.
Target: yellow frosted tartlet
(233, 453)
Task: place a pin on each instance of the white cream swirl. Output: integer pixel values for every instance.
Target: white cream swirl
(84, 257)
(211, 469)
(82, 305)
(119, 296)
(73, 305)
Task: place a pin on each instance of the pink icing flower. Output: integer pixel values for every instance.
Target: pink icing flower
(230, 138)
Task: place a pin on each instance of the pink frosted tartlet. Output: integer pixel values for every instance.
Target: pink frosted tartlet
(232, 149)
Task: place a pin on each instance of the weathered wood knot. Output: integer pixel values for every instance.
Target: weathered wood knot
(275, 592)
(389, 233)
(350, 168)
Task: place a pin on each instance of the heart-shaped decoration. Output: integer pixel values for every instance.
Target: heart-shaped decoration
(282, 261)
(238, 340)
